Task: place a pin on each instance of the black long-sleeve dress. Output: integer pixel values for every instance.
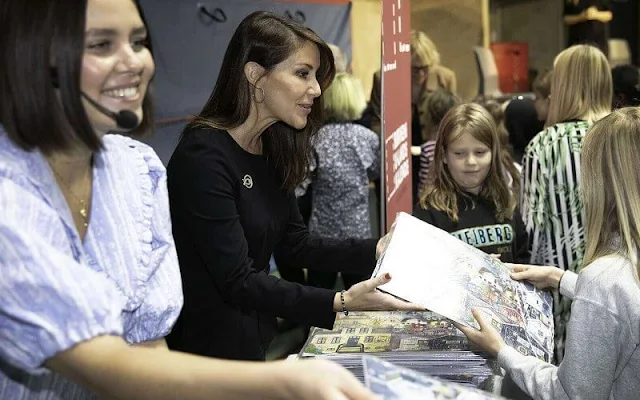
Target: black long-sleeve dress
(229, 214)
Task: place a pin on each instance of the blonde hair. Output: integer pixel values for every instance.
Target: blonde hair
(423, 49)
(581, 85)
(339, 58)
(442, 192)
(344, 99)
(611, 186)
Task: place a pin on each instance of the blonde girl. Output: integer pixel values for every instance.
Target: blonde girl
(468, 195)
(601, 358)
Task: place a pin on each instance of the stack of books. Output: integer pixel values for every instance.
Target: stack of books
(423, 341)
(391, 382)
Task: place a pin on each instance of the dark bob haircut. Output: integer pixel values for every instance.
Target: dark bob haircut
(33, 34)
(267, 39)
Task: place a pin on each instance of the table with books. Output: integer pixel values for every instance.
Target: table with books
(425, 345)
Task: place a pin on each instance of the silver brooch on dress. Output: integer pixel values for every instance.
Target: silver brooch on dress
(247, 181)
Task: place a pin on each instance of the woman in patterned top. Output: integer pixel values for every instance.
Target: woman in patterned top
(581, 93)
(90, 282)
(347, 157)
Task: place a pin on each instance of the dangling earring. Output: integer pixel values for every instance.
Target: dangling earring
(256, 97)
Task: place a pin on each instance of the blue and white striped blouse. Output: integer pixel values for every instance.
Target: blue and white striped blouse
(57, 291)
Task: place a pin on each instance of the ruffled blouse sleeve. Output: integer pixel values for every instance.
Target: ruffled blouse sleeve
(49, 301)
(163, 298)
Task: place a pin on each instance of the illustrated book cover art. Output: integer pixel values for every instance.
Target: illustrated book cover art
(423, 341)
(433, 268)
(386, 331)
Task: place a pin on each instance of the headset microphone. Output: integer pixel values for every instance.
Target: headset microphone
(125, 119)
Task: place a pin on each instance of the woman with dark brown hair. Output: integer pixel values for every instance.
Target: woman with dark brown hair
(231, 188)
(90, 280)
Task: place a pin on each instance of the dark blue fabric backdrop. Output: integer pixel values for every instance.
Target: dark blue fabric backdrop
(189, 46)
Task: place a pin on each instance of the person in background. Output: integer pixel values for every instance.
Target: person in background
(90, 279)
(339, 58)
(587, 23)
(601, 358)
(626, 86)
(522, 124)
(347, 158)
(541, 87)
(427, 76)
(469, 196)
(524, 118)
(581, 93)
(437, 106)
(231, 184)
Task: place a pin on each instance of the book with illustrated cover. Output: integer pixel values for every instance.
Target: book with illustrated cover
(423, 341)
(392, 382)
(435, 269)
(386, 331)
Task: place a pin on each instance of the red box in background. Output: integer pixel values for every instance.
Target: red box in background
(512, 61)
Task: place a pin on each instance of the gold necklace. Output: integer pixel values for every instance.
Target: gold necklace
(83, 204)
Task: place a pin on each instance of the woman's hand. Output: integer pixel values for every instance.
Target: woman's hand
(113, 369)
(486, 338)
(542, 277)
(364, 296)
(320, 380)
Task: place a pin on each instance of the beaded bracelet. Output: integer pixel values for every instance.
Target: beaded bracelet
(344, 308)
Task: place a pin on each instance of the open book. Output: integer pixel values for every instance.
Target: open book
(435, 269)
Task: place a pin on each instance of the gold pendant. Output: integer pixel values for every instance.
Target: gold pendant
(84, 214)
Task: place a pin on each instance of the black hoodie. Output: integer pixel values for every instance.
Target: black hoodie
(477, 226)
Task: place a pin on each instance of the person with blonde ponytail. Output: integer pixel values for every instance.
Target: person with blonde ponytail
(581, 92)
(601, 359)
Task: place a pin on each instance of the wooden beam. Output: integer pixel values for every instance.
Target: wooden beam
(486, 24)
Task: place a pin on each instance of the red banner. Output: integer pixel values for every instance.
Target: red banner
(396, 108)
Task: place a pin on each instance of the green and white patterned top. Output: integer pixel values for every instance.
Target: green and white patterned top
(551, 205)
(552, 208)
